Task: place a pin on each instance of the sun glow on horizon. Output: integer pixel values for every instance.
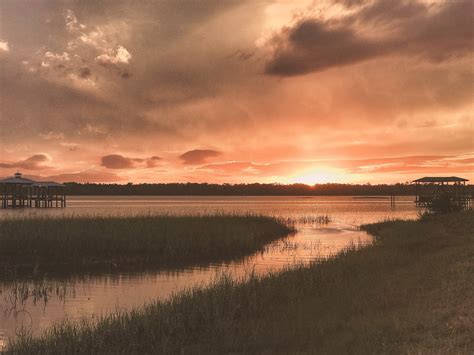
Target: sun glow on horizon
(317, 176)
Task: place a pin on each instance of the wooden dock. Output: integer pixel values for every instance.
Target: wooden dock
(20, 192)
(443, 193)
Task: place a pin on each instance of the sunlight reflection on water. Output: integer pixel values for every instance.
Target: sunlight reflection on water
(31, 306)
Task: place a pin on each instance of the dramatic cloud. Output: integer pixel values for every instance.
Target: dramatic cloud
(35, 162)
(311, 46)
(378, 29)
(198, 156)
(116, 161)
(327, 90)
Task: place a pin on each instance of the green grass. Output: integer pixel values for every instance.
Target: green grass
(38, 245)
(410, 292)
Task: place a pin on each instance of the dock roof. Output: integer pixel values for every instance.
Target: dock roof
(440, 179)
(17, 180)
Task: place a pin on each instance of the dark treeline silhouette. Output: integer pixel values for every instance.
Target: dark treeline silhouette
(204, 189)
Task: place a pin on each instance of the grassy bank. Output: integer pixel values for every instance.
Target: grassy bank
(95, 243)
(411, 292)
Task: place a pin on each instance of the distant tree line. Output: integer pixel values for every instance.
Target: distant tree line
(204, 189)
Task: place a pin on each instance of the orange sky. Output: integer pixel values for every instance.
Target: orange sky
(236, 91)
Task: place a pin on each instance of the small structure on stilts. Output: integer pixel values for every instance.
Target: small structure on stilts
(392, 200)
(18, 191)
(443, 194)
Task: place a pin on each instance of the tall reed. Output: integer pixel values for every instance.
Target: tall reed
(117, 241)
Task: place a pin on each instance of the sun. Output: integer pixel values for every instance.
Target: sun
(316, 177)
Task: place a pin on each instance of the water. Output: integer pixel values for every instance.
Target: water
(28, 307)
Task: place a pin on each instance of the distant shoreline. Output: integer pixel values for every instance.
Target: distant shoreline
(204, 189)
(249, 189)
(371, 197)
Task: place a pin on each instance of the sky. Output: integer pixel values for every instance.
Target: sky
(345, 91)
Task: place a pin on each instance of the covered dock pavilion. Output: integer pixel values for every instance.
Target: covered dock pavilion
(451, 191)
(18, 192)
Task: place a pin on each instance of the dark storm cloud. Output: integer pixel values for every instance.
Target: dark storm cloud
(74, 56)
(198, 156)
(117, 161)
(401, 28)
(314, 46)
(35, 162)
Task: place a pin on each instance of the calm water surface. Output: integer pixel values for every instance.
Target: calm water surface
(32, 306)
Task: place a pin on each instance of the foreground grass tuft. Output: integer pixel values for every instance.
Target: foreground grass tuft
(97, 243)
(410, 292)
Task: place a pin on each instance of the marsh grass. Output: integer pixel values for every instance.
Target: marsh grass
(409, 292)
(34, 245)
(16, 294)
(313, 219)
